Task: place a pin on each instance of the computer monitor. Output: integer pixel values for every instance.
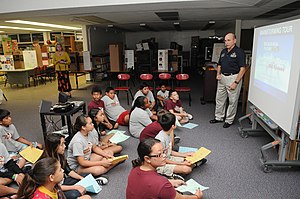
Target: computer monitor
(62, 97)
(45, 106)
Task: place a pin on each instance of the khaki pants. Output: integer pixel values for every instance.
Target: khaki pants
(222, 93)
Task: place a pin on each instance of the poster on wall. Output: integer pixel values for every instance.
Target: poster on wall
(7, 62)
(218, 47)
(30, 60)
(7, 45)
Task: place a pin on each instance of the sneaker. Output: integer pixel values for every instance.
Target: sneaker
(177, 177)
(176, 139)
(102, 180)
(190, 116)
(201, 162)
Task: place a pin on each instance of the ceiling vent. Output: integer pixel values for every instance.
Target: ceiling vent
(281, 10)
(168, 16)
(92, 19)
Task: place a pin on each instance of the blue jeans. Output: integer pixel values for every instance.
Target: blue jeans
(72, 194)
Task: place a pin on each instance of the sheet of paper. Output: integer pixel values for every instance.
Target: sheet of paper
(118, 137)
(191, 186)
(115, 131)
(199, 155)
(190, 125)
(31, 154)
(90, 184)
(184, 149)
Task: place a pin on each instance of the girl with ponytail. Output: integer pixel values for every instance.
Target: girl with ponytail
(42, 181)
(139, 116)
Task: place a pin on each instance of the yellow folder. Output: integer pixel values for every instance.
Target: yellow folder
(31, 154)
(119, 159)
(198, 155)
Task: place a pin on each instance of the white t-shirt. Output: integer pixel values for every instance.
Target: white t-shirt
(165, 94)
(166, 141)
(139, 119)
(112, 107)
(149, 96)
(8, 136)
(79, 146)
(4, 156)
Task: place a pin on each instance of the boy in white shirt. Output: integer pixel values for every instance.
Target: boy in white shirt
(175, 162)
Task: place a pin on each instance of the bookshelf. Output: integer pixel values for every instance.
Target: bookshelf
(101, 64)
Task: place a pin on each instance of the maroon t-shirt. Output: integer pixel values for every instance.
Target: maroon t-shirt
(150, 131)
(95, 105)
(170, 105)
(148, 184)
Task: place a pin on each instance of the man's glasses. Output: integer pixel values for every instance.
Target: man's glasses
(161, 155)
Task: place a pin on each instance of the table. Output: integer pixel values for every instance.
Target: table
(19, 76)
(45, 111)
(79, 74)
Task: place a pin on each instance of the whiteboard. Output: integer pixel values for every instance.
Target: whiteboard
(275, 74)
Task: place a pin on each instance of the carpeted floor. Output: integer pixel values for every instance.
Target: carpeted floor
(233, 169)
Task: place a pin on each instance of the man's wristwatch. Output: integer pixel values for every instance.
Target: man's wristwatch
(236, 82)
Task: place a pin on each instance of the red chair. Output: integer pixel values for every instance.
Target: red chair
(148, 78)
(40, 74)
(180, 79)
(165, 77)
(123, 85)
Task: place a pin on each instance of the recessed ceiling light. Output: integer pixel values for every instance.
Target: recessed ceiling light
(142, 24)
(110, 26)
(43, 24)
(21, 28)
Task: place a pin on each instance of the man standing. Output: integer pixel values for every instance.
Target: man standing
(230, 71)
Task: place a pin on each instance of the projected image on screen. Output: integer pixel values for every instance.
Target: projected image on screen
(274, 64)
(274, 86)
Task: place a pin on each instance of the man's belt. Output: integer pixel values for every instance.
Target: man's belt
(229, 74)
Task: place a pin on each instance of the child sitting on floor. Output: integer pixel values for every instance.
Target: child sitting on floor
(162, 95)
(55, 148)
(9, 135)
(10, 171)
(175, 162)
(43, 180)
(84, 156)
(97, 117)
(174, 106)
(113, 109)
(144, 91)
(97, 103)
(139, 116)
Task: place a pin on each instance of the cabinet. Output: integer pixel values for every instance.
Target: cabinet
(116, 55)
